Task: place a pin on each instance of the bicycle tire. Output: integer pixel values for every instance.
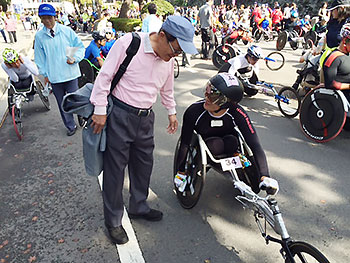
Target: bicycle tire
(278, 63)
(291, 108)
(302, 251)
(222, 54)
(17, 122)
(195, 169)
(44, 99)
(176, 68)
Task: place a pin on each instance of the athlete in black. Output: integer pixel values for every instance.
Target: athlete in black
(215, 118)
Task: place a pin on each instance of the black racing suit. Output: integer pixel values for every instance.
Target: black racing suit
(209, 126)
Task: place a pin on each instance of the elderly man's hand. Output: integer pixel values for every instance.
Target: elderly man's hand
(173, 124)
(98, 122)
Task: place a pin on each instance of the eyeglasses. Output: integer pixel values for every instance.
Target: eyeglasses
(214, 96)
(176, 52)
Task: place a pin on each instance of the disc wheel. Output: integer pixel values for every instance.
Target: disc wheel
(176, 68)
(281, 40)
(44, 99)
(322, 115)
(303, 253)
(288, 102)
(275, 61)
(222, 54)
(87, 73)
(195, 171)
(17, 121)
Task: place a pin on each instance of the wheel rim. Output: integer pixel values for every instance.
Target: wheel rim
(288, 102)
(176, 68)
(17, 122)
(222, 54)
(277, 63)
(44, 99)
(281, 41)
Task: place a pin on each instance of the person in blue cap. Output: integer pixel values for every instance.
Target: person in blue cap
(50, 51)
(130, 125)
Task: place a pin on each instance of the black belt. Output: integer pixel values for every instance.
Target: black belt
(132, 109)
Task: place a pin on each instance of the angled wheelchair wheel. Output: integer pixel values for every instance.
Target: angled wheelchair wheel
(44, 99)
(322, 115)
(16, 114)
(176, 68)
(222, 54)
(87, 73)
(275, 61)
(195, 171)
(281, 40)
(288, 102)
(310, 39)
(258, 35)
(304, 252)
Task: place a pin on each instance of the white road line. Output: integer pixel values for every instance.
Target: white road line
(129, 252)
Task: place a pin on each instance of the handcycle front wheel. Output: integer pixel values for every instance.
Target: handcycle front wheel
(222, 54)
(195, 172)
(17, 121)
(44, 99)
(275, 61)
(304, 252)
(176, 68)
(288, 102)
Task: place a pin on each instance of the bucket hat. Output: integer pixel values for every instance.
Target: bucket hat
(339, 3)
(47, 10)
(182, 29)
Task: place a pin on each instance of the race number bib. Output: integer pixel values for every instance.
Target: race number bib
(231, 163)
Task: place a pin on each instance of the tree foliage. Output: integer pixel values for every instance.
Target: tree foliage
(4, 4)
(163, 7)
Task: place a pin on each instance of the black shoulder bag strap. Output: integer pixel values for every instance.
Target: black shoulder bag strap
(130, 53)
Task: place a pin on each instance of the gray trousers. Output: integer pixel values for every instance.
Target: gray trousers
(129, 142)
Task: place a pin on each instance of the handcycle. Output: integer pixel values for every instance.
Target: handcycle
(16, 99)
(323, 113)
(240, 168)
(221, 55)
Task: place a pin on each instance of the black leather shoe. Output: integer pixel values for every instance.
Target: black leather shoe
(152, 215)
(118, 235)
(72, 132)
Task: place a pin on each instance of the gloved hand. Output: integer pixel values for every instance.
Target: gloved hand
(270, 185)
(180, 181)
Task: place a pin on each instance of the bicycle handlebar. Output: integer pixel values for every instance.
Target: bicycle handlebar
(263, 83)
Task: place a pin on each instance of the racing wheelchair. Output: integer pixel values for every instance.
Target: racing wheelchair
(16, 98)
(88, 72)
(323, 114)
(242, 171)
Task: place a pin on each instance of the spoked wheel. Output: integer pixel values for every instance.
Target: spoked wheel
(281, 40)
(17, 121)
(322, 115)
(222, 54)
(288, 102)
(294, 45)
(87, 73)
(195, 171)
(258, 35)
(310, 39)
(275, 61)
(305, 253)
(44, 99)
(176, 68)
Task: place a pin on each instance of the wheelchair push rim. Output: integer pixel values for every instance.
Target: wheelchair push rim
(44, 99)
(17, 121)
(275, 61)
(288, 102)
(322, 115)
(87, 72)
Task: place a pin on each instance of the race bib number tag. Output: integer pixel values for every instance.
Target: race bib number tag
(232, 163)
(216, 123)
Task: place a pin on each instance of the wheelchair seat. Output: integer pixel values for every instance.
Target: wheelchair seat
(323, 114)
(88, 72)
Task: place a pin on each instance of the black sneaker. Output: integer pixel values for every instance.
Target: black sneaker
(118, 235)
(72, 132)
(152, 215)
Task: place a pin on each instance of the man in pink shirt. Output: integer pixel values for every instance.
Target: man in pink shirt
(130, 128)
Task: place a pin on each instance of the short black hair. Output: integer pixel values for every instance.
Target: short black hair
(152, 8)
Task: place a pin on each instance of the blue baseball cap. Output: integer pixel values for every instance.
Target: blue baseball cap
(182, 29)
(47, 10)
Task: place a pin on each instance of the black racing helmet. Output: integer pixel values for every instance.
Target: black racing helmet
(97, 36)
(224, 88)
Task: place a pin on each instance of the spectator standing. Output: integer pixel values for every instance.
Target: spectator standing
(2, 29)
(11, 26)
(50, 50)
(206, 20)
(130, 126)
(323, 12)
(286, 15)
(151, 23)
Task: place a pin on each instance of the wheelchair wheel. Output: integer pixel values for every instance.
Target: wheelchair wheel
(44, 99)
(17, 121)
(322, 115)
(288, 102)
(294, 45)
(195, 171)
(258, 35)
(87, 73)
(275, 61)
(281, 40)
(176, 68)
(310, 39)
(222, 54)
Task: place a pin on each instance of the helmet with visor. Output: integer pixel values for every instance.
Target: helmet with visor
(10, 55)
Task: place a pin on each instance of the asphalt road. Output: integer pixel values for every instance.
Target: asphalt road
(52, 212)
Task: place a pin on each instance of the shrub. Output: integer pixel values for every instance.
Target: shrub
(125, 24)
(163, 7)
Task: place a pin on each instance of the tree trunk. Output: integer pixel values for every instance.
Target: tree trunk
(125, 8)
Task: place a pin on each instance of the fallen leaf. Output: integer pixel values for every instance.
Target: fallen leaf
(5, 242)
(26, 251)
(217, 196)
(70, 143)
(207, 261)
(16, 155)
(29, 245)
(332, 228)
(64, 145)
(16, 212)
(84, 250)
(50, 175)
(52, 192)
(35, 203)
(50, 182)
(59, 163)
(24, 169)
(1, 246)
(76, 240)
(61, 240)
(70, 189)
(35, 218)
(31, 259)
(323, 201)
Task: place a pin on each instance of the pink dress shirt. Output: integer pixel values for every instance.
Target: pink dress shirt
(145, 76)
